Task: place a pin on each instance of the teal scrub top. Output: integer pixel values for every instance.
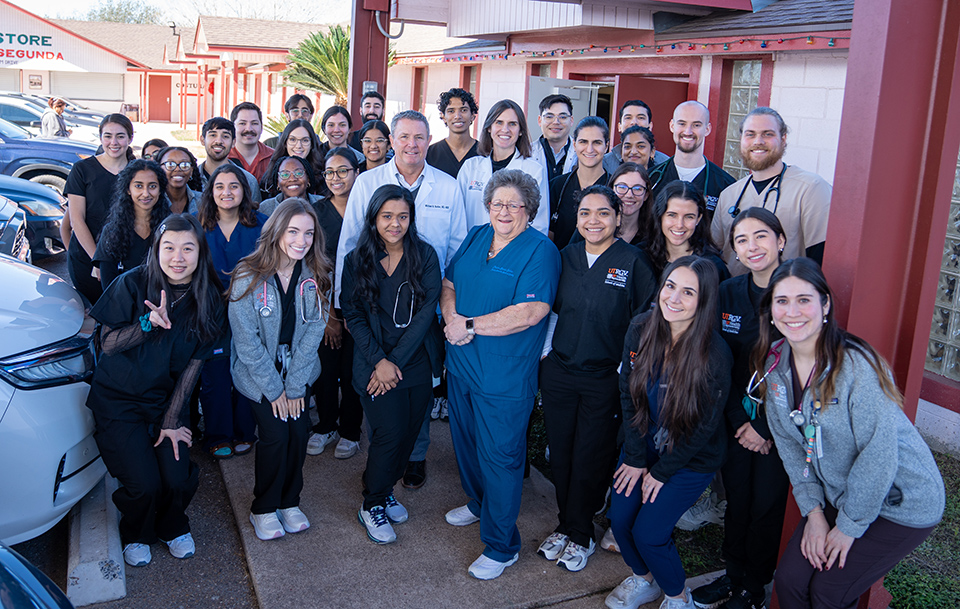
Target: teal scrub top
(526, 270)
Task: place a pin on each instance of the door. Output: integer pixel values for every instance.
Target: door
(582, 93)
(661, 95)
(159, 97)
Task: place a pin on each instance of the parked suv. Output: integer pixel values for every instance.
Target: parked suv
(44, 209)
(13, 232)
(39, 159)
(26, 114)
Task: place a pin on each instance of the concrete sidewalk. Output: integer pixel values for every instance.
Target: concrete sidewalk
(333, 564)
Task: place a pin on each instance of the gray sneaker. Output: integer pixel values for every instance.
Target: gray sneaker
(396, 513)
(377, 524)
(319, 441)
(633, 592)
(684, 602)
(346, 449)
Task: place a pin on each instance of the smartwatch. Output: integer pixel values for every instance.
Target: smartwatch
(469, 324)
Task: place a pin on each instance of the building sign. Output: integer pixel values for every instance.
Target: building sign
(17, 47)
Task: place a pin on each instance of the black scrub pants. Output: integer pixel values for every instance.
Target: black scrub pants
(280, 454)
(757, 487)
(81, 268)
(156, 488)
(336, 399)
(582, 417)
(394, 420)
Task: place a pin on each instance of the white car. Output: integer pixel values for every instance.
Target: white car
(48, 457)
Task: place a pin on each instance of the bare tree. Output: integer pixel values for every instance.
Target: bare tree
(125, 11)
(318, 11)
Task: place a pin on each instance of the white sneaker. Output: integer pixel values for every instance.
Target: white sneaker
(267, 526)
(293, 520)
(182, 547)
(319, 441)
(396, 513)
(633, 592)
(461, 516)
(574, 557)
(438, 405)
(377, 524)
(609, 542)
(445, 410)
(709, 510)
(137, 554)
(552, 547)
(346, 449)
(488, 568)
(684, 602)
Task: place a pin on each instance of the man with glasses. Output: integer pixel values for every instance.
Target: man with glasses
(554, 149)
(251, 154)
(218, 135)
(634, 112)
(458, 110)
(296, 106)
(440, 217)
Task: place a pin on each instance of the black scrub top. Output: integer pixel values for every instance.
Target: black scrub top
(89, 179)
(563, 212)
(110, 268)
(393, 296)
(440, 156)
(136, 384)
(288, 305)
(331, 222)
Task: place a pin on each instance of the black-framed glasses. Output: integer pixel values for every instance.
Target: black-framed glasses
(286, 175)
(340, 173)
(183, 165)
(623, 189)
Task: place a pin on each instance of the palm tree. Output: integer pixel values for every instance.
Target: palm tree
(322, 63)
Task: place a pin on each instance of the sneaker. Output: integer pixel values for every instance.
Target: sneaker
(461, 516)
(574, 557)
(137, 554)
(552, 547)
(319, 441)
(266, 526)
(293, 520)
(609, 542)
(439, 404)
(415, 475)
(744, 600)
(182, 547)
(488, 568)
(684, 602)
(444, 411)
(633, 592)
(706, 511)
(714, 594)
(396, 513)
(377, 524)
(346, 449)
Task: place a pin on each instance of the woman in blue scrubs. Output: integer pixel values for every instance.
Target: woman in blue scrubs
(497, 293)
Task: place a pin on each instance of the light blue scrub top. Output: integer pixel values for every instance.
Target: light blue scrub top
(526, 270)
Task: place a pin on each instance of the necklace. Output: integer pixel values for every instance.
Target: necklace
(179, 298)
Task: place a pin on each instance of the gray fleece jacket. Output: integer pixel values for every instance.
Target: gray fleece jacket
(874, 461)
(253, 352)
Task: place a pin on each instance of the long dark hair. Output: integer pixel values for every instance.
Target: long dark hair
(832, 343)
(207, 211)
(485, 147)
(315, 156)
(701, 243)
(644, 217)
(683, 367)
(370, 244)
(118, 229)
(194, 182)
(203, 298)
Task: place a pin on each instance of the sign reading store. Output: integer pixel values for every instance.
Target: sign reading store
(15, 47)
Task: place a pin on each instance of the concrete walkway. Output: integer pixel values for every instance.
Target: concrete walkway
(333, 564)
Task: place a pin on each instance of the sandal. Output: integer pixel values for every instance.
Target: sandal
(242, 447)
(223, 450)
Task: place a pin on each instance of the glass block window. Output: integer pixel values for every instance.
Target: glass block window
(744, 95)
(943, 350)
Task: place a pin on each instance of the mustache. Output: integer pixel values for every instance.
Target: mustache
(249, 133)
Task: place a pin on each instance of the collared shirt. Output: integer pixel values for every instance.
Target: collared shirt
(551, 165)
(260, 163)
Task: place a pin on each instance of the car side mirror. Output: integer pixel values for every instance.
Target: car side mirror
(35, 124)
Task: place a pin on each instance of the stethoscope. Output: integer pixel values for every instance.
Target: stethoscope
(775, 186)
(266, 310)
(566, 182)
(396, 304)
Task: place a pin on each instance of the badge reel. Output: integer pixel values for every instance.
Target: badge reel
(265, 309)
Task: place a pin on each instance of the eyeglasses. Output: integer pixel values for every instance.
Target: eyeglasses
(286, 175)
(341, 173)
(512, 206)
(550, 117)
(182, 165)
(623, 189)
(295, 141)
(379, 141)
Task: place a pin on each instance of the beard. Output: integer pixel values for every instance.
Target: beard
(372, 116)
(688, 147)
(774, 156)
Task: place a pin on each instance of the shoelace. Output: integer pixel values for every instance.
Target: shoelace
(392, 501)
(378, 515)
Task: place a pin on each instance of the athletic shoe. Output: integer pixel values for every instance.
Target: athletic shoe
(415, 474)
(609, 542)
(461, 516)
(293, 520)
(552, 547)
(396, 513)
(182, 547)
(706, 511)
(488, 568)
(319, 441)
(377, 524)
(744, 600)
(241, 448)
(438, 405)
(714, 594)
(633, 592)
(444, 411)
(684, 602)
(267, 526)
(137, 554)
(574, 557)
(346, 449)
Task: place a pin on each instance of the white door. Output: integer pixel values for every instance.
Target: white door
(582, 93)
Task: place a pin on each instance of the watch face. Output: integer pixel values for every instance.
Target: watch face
(470, 324)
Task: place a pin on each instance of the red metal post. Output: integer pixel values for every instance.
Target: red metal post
(368, 49)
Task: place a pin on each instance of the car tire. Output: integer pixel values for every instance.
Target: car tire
(53, 181)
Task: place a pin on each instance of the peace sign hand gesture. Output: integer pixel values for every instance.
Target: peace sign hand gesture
(158, 314)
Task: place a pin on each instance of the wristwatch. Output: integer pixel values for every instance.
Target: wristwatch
(469, 325)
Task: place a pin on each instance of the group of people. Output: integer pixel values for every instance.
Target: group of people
(674, 322)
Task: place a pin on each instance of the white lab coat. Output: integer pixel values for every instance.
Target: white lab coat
(475, 174)
(439, 212)
(536, 149)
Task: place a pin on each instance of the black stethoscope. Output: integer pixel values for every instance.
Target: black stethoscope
(775, 186)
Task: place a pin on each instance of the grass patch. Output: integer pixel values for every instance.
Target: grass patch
(184, 135)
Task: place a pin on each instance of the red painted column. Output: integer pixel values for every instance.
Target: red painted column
(896, 163)
(368, 49)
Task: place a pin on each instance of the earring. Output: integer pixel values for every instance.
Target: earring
(824, 319)
(771, 322)
(737, 258)
(781, 250)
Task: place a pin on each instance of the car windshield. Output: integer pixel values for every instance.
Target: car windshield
(9, 131)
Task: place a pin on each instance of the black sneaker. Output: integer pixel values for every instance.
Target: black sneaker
(743, 600)
(714, 594)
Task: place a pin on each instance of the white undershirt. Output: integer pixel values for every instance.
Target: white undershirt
(687, 175)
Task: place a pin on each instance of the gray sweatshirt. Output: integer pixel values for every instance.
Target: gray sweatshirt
(874, 462)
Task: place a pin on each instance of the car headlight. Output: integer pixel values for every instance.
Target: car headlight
(67, 361)
(43, 209)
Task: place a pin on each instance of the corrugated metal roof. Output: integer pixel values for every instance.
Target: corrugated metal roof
(255, 33)
(811, 15)
(140, 42)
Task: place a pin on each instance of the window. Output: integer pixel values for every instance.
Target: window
(419, 89)
(470, 80)
(541, 69)
(744, 97)
(943, 349)
(18, 116)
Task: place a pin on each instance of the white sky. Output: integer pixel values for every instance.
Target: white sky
(328, 11)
